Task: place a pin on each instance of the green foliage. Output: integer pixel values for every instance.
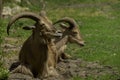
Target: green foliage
(4, 74)
(1, 32)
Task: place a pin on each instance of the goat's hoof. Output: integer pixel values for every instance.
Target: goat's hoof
(60, 59)
(66, 56)
(43, 76)
(53, 72)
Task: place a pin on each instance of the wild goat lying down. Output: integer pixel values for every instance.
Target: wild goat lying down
(37, 50)
(69, 34)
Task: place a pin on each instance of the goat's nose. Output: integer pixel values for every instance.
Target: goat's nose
(82, 43)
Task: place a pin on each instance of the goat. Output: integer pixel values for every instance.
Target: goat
(37, 49)
(70, 34)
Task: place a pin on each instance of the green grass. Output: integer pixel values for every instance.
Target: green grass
(99, 22)
(3, 72)
(103, 77)
(102, 39)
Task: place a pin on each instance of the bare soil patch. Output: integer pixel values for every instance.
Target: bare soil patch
(71, 68)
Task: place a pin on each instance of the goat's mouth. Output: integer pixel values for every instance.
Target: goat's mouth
(81, 43)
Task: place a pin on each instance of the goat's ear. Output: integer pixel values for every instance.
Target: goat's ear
(28, 27)
(64, 26)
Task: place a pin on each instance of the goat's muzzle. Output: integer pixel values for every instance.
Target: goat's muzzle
(51, 34)
(82, 43)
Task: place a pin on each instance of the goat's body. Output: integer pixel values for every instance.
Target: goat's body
(61, 45)
(61, 42)
(71, 34)
(27, 56)
(41, 65)
(38, 54)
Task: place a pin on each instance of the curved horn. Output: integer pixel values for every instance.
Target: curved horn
(30, 15)
(68, 20)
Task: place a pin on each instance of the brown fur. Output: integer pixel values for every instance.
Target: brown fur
(36, 52)
(70, 34)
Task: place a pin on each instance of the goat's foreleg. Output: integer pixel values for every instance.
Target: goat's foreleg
(62, 55)
(22, 69)
(65, 56)
(53, 72)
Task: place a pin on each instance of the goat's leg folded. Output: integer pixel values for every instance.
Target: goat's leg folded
(65, 56)
(53, 72)
(22, 69)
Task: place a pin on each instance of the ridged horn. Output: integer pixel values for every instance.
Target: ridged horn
(68, 20)
(29, 15)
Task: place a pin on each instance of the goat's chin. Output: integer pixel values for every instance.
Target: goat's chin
(81, 44)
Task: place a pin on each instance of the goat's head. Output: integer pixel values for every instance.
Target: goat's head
(72, 30)
(41, 27)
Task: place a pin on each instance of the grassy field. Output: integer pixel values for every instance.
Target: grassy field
(99, 22)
